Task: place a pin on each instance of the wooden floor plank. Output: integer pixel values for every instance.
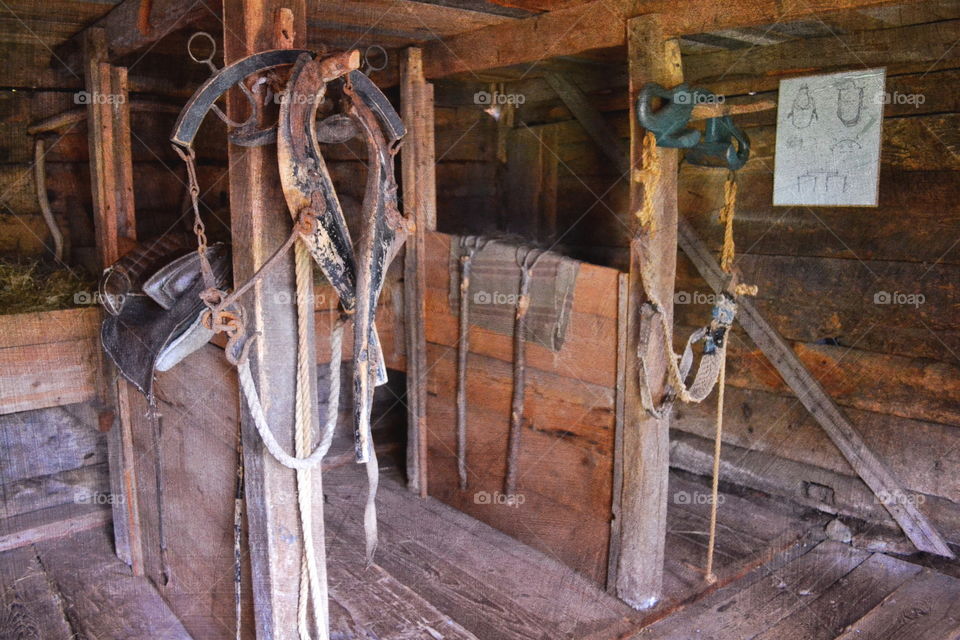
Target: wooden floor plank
(30, 609)
(737, 612)
(100, 594)
(845, 601)
(490, 583)
(367, 602)
(925, 608)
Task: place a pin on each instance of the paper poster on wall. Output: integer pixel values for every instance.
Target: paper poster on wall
(828, 139)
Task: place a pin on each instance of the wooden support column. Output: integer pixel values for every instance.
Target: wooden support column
(653, 248)
(260, 222)
(420, 199)
(111, 179)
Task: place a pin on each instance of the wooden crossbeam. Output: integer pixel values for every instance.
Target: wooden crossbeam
(134, 25)
(821, 406)
(599, 24)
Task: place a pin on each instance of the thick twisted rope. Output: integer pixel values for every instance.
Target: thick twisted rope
(310, 585)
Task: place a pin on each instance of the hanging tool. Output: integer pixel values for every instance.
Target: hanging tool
(470, 245)
(721, 144)
(531, 256)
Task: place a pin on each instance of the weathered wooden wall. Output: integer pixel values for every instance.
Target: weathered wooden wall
(565, 473)
(37, 87)
(822, 274)
(892, 367)
(53, 458)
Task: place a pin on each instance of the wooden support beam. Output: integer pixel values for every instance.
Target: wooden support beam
(616, 528)
(111, 179)
(599, 24)
(419, 197)
(134, 25)
(261, 223)
(821, 406)
(108, 118)
(653, 250)
(588, 117)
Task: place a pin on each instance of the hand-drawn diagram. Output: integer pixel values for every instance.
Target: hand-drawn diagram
(847, 145)
(849, 102)
(803, 111)
(827, 182)
(828, 139)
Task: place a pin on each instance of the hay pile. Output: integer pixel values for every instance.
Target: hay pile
(30, 285)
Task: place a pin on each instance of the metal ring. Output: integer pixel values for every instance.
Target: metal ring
(213, 48)
(366, 59)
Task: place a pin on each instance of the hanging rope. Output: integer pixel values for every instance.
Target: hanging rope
(715, 488)
(650, 177)
(310, 585)
(712, 369)
(727, 212)
(728, 253)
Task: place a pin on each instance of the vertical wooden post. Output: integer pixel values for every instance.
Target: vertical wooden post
(420, 198)
(260, 223)
(111, 179)
(653, 247)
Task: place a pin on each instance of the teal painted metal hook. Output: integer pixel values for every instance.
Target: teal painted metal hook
(721, 144)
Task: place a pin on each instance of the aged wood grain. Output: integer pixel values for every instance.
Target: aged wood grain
(845, 601)
(51, 523)
(925, 608)
(100, 595)
(30, 607)
(764, 603)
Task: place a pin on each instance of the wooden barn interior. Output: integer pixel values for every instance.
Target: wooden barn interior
(536, 243)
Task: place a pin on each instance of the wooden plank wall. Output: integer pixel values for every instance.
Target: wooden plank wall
(565, 465)
(36, 88)
(823, 272)
(893, 367)
(53, 457)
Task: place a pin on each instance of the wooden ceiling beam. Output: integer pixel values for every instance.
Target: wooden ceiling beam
(133, 26)
(599, 24)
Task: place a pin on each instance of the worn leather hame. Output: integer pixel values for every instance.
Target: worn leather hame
(158, 325)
